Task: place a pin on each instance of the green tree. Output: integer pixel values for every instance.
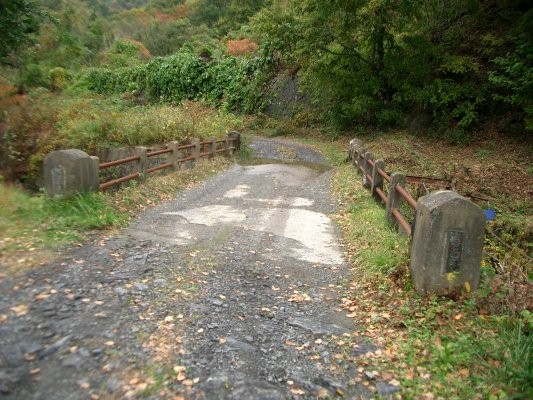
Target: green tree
(19, 20)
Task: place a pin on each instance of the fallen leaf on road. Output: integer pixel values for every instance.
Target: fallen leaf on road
(3, 318)
(84, 385)
(20, 310)
(109, 343)
(297, 391)
(41, 296)
(169, 318)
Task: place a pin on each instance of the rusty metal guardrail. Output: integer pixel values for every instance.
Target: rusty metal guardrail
(374, 177)
(176, 154)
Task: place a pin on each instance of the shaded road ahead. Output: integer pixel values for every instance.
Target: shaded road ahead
(231, 291)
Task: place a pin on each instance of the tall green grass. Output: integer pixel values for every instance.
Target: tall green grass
(27, 221)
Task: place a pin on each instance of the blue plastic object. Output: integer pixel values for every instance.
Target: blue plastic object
(490, 214)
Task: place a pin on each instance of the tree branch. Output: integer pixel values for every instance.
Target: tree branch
(347, 54)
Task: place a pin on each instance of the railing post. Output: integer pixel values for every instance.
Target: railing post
(235, 137)
(360, 160)
(367, 169)
(67, 172)
(141, 164)
(213, 147)
(227, 145)
(377, 179)
(395, 198)
(196, 150)
(176, 154)
(352, 150)
(447, 244)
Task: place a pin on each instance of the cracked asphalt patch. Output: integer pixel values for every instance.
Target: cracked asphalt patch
(231, 291)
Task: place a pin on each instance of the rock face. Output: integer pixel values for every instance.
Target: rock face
(67, 172)
(447, 243)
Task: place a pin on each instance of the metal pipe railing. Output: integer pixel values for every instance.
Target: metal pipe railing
(118, 162)
(126, 178)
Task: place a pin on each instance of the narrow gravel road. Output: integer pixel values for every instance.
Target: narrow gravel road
(231, 291)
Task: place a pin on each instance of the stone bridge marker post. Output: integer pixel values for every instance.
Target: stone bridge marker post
(67, 172)
(447, 244)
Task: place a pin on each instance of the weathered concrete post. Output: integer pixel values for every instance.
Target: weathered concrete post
(176, 154)
(236, 138)
(368, 169)
(395, 199)
(360, 160)
(142, 163)
(377, 179)
(227, 145)
(67, 172)
(213, 147)
(352, 149)
(359, 148)
(196, 150)
(447, 244)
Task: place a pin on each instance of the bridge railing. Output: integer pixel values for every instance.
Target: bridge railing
(67, 172)
(446, 232)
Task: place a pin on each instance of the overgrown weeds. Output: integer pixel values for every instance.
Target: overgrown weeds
(43, 121)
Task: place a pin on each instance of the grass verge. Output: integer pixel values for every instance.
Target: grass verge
(435, 347)
(34, 227)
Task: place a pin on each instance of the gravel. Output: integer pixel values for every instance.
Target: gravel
(230, 291)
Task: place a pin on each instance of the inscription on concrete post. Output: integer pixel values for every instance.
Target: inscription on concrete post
(368, 169)
(377, 179)
(447, 244)
(67, 172)
(395, 199)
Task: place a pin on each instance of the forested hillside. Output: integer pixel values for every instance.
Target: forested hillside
(450, 69)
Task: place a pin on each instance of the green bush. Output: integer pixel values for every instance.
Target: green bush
(231, 82)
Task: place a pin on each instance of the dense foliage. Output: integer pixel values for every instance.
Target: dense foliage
(381, 61)
(230, 82)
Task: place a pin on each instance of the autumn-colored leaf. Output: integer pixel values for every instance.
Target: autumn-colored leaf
(297, 391)
(41, 296)
(20, 310)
